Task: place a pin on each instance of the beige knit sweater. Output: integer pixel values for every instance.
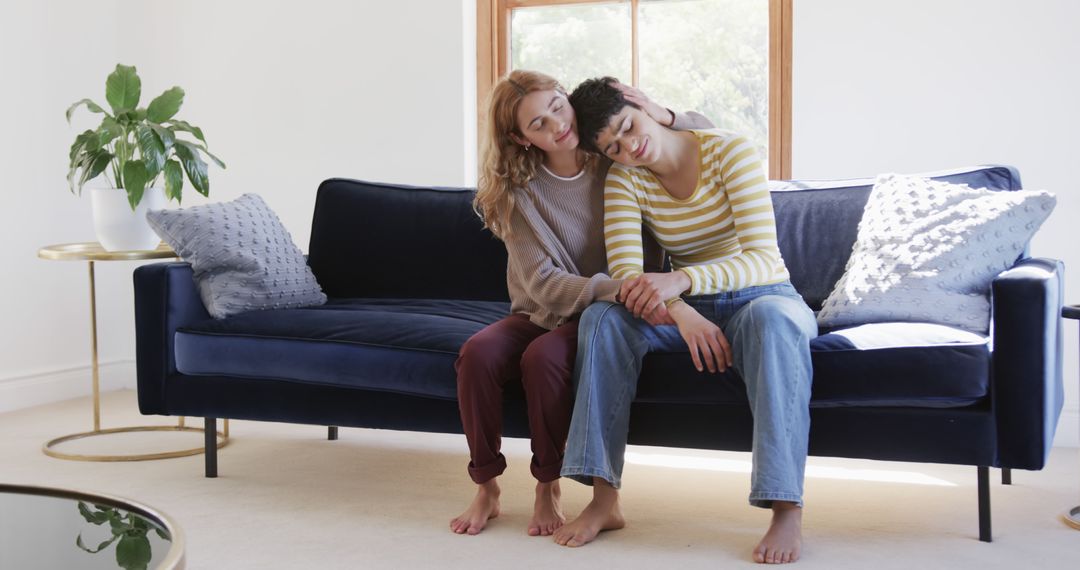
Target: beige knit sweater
(557, 263)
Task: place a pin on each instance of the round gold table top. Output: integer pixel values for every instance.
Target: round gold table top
(92, 251)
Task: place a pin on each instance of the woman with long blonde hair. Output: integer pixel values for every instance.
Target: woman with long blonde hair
(543, 197)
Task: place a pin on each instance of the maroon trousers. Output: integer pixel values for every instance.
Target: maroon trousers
(508, 350)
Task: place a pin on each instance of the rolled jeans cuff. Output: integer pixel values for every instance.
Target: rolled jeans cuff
(765, 499)
(585, 475)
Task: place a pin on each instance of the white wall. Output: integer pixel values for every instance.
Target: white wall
(51, 55)
(288, 94)
(930, 84)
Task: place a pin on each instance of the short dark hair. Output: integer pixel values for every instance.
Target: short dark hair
(595, 102)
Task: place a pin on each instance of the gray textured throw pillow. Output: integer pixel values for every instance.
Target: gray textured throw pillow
(242, 256)
(927, 251)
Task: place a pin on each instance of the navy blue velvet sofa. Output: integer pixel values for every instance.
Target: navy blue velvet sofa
(411, 275)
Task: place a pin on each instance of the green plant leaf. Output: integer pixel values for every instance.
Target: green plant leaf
(135, 178)
(133, 552)
(151, 149)
(76, 162)
(167, 137)
(184, 126)
(123, 88)
(195, 168)
(119, 526)
(95, 164)
(92, 106)
(95, 516)
(79, 543)
(196, 148)
(164, 106)
(109, 130)
(164, 535)
(129, 118)
(82, 140)
(174, 181)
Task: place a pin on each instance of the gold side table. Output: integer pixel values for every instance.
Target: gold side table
(91, 252)
(1072, 516)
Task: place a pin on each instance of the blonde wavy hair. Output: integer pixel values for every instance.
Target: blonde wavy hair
(506, 164)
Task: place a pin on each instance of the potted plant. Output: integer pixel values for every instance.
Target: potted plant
(133, 149)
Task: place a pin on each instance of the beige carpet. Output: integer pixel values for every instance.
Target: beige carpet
(288, 498)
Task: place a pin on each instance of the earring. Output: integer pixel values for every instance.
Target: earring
(527, 145)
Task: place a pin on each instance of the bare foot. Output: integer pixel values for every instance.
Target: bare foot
(602, 513)
(547, 514)
(783, 542)
(483, 508)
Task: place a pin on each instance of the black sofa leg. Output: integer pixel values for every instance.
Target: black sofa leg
(331, 433)
(984, 504)
(210, 441)
(1006, 476)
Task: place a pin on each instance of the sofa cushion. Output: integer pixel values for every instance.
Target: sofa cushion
(408, 234)
(817, 222)
(404, 346)
(882, 364)
(927, 251)
(243, 258)
(409, 347)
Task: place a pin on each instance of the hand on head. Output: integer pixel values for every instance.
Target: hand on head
(659, 113)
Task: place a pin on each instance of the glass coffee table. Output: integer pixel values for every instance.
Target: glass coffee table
(45, 527)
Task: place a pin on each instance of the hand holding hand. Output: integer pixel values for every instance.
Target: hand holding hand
(653, 109)
(707, 342)
(644, 293)
(659, 316)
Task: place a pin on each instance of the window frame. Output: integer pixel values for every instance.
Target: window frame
(493, 20)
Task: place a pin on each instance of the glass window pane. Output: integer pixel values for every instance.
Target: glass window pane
(710, 56)
(572, 42)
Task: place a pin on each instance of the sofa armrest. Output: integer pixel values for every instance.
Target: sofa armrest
(1027, 342)
(165, 299)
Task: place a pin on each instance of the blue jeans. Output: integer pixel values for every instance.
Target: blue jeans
(769, 328)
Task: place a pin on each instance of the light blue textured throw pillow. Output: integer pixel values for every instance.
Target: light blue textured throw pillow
(242, 257)
(927, 251)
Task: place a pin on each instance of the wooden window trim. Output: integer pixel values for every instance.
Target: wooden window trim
(493, 61)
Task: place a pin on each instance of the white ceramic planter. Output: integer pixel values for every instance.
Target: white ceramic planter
(118, 228)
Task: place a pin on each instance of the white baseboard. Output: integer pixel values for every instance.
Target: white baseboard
(36, 389)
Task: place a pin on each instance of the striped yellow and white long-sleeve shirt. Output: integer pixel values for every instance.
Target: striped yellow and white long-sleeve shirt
(723, 236)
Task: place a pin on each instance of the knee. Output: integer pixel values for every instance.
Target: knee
(781, 316)
(593, 315)
(479, 353)
(603, 316)
(549, 357)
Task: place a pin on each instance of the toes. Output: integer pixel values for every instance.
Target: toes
(759, 554)
(534, 530)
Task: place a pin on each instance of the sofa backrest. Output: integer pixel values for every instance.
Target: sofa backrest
(394, 241)
(388, 240)
(817, 222)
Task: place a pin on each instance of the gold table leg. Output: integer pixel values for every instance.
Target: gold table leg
(222, 437)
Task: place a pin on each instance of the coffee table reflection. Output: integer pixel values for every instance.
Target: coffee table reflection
(44, 527)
